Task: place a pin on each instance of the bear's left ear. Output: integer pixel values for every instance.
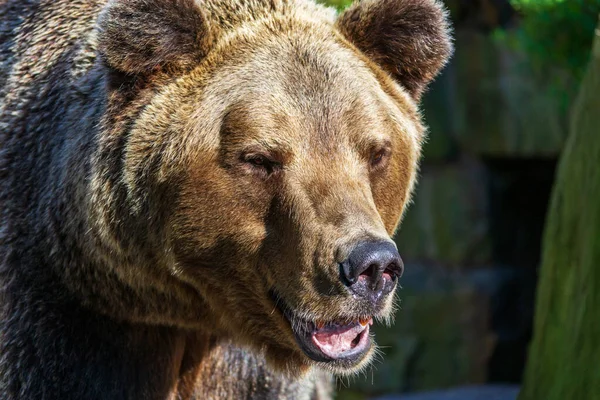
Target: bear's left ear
(410, 39)
(141, 36)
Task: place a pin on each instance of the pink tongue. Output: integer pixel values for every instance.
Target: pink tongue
(334, 342)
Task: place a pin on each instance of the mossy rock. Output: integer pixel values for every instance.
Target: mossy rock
(447, 221)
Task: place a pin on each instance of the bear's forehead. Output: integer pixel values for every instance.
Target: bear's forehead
(319, 83)
(305, 87)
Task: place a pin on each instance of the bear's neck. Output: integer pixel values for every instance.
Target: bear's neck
(53, 348)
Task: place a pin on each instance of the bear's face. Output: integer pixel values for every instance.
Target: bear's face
(311, 156)
(289, 153)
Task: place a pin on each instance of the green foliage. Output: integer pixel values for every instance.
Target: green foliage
(339, 4)
(557, 33)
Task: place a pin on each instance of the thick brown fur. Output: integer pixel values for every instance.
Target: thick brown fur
(407, 38)
(143, 253)
(143, 35)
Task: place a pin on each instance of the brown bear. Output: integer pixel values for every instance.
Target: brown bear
(197, 196)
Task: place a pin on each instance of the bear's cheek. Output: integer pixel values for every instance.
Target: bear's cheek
(217, 224)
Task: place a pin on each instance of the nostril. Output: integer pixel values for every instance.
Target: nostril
(393, 271)
(389, 275)
(370, 272)
(371, 276)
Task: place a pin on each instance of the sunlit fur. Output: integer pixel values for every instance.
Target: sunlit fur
(135, 232)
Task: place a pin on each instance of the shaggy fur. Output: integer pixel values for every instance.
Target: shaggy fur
(140, 36)
(407, 38)
(140, 242)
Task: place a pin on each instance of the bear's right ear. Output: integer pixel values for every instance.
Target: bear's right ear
(410, 39)
(141, 36)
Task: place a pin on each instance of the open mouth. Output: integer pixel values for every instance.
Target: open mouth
(344, 342)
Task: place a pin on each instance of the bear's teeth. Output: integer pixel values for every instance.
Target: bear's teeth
(320, 324)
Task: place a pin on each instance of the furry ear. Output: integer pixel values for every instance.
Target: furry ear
(410, 39)
(139, 36)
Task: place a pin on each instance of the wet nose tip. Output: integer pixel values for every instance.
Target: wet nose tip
(373, 265)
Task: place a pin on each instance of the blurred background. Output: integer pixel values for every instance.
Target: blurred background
(499, 118)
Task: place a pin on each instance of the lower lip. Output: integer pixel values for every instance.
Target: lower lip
(354, 352)
(320, 352)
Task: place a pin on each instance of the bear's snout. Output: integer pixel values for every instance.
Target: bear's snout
(372, 270)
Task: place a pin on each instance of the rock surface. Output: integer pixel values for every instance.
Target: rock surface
(490, 102)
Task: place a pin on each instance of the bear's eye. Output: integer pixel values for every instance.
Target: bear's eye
(257, 160)
(378, 158)
(260, 163)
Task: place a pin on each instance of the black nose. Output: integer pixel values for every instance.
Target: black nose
(372, 269)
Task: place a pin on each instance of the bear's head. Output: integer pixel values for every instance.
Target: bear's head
(255, 158)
